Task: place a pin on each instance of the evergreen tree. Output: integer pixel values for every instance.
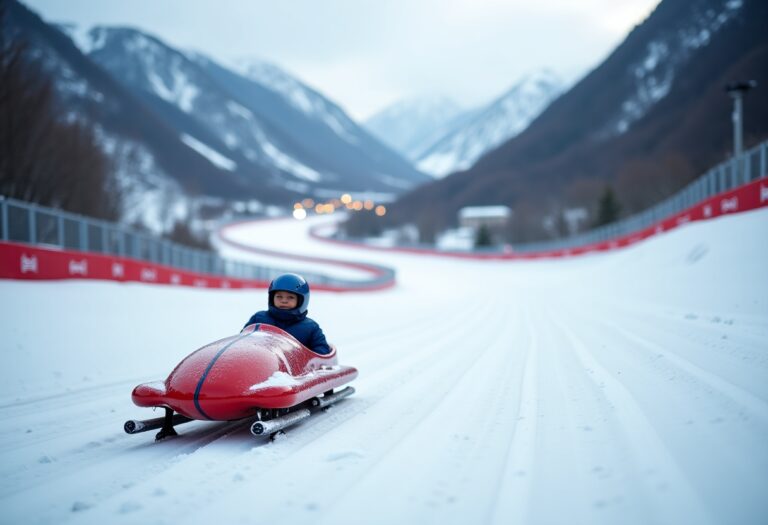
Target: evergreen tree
(483, 238)
(608, 208)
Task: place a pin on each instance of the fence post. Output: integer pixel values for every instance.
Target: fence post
(4, 217)
(32, 225)
(83, 235)
(60, 229)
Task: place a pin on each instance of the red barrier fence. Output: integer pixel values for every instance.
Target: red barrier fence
(744, 198)
(23, 261)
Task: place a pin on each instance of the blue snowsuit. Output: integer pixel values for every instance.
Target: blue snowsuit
(307, 331)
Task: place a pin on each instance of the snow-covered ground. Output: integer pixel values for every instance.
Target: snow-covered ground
(629, 387)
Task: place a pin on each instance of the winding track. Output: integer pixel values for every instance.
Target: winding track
(488, 393)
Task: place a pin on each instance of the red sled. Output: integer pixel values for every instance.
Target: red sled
(262, 372)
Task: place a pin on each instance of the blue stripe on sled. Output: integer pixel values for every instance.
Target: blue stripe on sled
(208, 369)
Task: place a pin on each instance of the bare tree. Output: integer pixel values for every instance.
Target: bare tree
(44, 159)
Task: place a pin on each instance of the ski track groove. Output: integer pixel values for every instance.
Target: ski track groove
(570, 437)
(513, 485)
(711, 381)
(679, 502)
(403, 443)
(694, 405)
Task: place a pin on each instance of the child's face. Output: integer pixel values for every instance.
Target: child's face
(286, 300)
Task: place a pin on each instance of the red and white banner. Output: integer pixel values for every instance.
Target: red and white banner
(23, 261)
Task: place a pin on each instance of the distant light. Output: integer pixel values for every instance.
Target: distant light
(346, 198)
(330, 208)
(357, 205)
(380, 210)
(297, 206)
(308, 203)
(368, 205)
(319, 208)
(300, 213)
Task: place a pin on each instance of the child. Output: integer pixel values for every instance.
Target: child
(288, 303)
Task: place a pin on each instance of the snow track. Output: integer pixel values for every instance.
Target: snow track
(629, 387)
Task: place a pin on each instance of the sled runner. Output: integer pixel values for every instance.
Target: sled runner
(261, 373)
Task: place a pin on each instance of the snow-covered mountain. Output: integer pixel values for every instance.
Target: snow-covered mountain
(266, 118)
(185, 133)
(159, 177)
(501, 120)
(411, 126)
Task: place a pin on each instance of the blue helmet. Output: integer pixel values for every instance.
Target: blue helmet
(291, 282)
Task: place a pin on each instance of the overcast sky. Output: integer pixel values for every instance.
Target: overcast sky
(365, 55)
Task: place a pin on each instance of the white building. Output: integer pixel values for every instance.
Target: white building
(495, 218)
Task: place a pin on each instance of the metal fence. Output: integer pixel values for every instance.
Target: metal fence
(27, 223)
(723, 177)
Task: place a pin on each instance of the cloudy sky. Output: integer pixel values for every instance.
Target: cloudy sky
(367, 54)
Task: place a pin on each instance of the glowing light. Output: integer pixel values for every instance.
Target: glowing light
(299, 213)
(297, 206)
(368, 205)
(357, 205)
(346, 198)
(319, 208)
(380, 210)
(308, 203)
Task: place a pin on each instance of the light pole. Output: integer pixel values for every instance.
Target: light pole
(737, 90)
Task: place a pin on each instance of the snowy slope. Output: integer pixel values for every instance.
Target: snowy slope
(628, 387)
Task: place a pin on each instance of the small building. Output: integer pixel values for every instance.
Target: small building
(495, 218)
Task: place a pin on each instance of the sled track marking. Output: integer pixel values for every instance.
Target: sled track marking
(686, 504)
(519, 456)
(742, 397)
(739, 395)
(415, 355)
(463, 453)
(417, 337)
(88, 392)
(77, 464)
